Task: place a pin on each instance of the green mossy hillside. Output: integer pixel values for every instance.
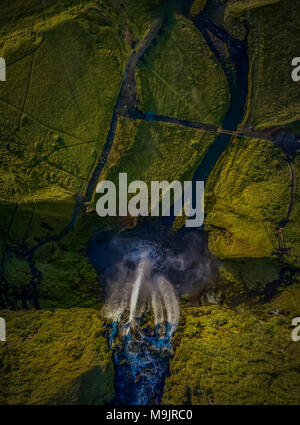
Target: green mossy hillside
(34, 222)
(291, 233)
(238, 8)
(247, 195)
(68, 277)
(18, 15)
(36, 237)
(65, 64)
(247, 279)
(56, 357)
(17, 275)
(139, 13)
(236, 356)
(197, 7)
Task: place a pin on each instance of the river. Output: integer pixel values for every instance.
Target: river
(145, 270)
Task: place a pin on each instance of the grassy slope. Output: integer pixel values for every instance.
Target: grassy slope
(55, 358)
(292, 229)
(65, 73)
(197, 6)
(17, 15)
(153, 151)
(238, 8)
(67, 84)
(261, 193)
(274, 97)
(180, 77)
(248, 278)
(69, 280)
(67, 88)
(241, 356)
(248, 194)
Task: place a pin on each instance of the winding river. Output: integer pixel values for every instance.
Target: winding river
(146, 269)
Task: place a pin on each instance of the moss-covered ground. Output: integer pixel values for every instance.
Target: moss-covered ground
(292, 229)
(243, 355)
(150, 151)
(197, 6)
(273, 96)
(65, 65)
(56, 357)
(248, 195)
(238, 8)
(180, 77)
(56, 110)
(249, 190)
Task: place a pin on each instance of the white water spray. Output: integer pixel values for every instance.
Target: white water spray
(142, 272)
(170, 301)
(138, 292)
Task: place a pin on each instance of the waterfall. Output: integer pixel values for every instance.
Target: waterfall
(144, 276)
(157, 307)
(142, 272)
(135, 293)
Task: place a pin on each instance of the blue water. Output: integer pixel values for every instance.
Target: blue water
(141, 366)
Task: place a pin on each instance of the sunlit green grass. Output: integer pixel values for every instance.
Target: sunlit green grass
(55, 358)
(238, 8)
(198, 6)
(236, 356)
